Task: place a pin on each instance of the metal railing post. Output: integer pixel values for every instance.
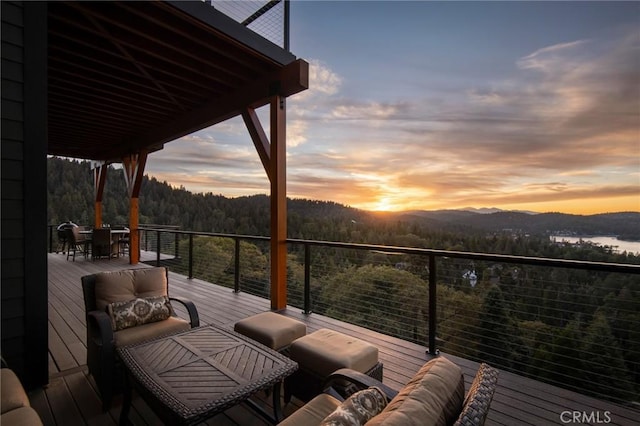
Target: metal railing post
(157, 248)
(286, 34)
(236, 275)
(50, 239)
(432, 305)
(190, 256)
(176, 250)
(307, 279)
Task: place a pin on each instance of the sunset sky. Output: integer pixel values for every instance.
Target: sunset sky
(430, 105)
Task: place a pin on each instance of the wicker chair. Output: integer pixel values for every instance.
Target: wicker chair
(476, 404)
(438, 387)
(102, 292)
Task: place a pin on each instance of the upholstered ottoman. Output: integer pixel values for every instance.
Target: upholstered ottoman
(321, 353)
(271, 329)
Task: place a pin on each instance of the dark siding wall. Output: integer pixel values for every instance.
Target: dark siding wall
(23, 191)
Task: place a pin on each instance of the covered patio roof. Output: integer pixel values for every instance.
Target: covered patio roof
(124, 78)
(130, 76)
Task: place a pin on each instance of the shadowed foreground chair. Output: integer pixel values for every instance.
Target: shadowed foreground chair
(122, 308)
(15, 408)
(434, 396)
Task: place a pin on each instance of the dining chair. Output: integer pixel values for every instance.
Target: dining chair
(122, 238)
(75, 242)
(102, 244)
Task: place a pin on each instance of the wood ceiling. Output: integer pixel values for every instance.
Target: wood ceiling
(130, 76)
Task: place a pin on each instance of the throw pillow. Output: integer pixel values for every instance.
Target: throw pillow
(139, 311)
(358, 409)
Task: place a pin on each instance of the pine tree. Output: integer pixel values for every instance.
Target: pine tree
(495, 339)
(602, 358)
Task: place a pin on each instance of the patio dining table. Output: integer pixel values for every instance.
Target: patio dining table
(191, 376)
(116, 236)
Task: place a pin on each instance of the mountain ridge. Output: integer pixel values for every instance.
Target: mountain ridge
(70, 198)
(624, 225)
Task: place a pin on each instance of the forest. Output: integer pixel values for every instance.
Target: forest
(570, 327)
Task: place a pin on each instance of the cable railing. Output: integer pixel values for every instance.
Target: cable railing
(567, 322)
(570, 323)
(268, 18)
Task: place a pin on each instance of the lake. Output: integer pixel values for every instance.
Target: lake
(618, 245)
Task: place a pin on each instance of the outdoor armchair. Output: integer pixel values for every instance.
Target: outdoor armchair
(126, 307)
(435, 395)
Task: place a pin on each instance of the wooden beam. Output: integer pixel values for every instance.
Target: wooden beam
(278, 178)
(289, 80)
(133, 167)
(259, 138)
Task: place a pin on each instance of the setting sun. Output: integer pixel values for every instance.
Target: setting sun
(384, 205)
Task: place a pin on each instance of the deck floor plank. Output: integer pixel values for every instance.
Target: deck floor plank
(63, 406)
(518, 400)
(87, 400)
(75, 346)
(40, 403)
(60, 353)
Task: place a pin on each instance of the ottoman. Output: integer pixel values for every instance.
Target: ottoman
(271, 329)
(321, 353)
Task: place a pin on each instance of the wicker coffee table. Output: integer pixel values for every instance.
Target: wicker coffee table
(191, 376)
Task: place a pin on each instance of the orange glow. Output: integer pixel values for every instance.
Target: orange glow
(575, 206)
(584, 206)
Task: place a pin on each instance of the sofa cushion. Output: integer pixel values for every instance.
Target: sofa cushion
(325, 351)
(152, 330)
(271, 329)
(432, 397)
(122, 286)
(12, 394)
(139, 311)
(358, 409)
(23, 416)
(313, 412)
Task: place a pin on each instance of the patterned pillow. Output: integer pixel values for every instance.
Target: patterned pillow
(358, 409)
(139, 311)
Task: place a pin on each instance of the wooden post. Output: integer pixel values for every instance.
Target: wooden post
(274, 156)
(99, 180)
(134, 234)
(133, 167)
(278, 176)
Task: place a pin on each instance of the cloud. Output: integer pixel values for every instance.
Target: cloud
(565, 125)
(322, 81)
(577, 100)
(364, 111)
(551, 59)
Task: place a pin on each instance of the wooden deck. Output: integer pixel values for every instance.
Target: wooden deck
(71, 398)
